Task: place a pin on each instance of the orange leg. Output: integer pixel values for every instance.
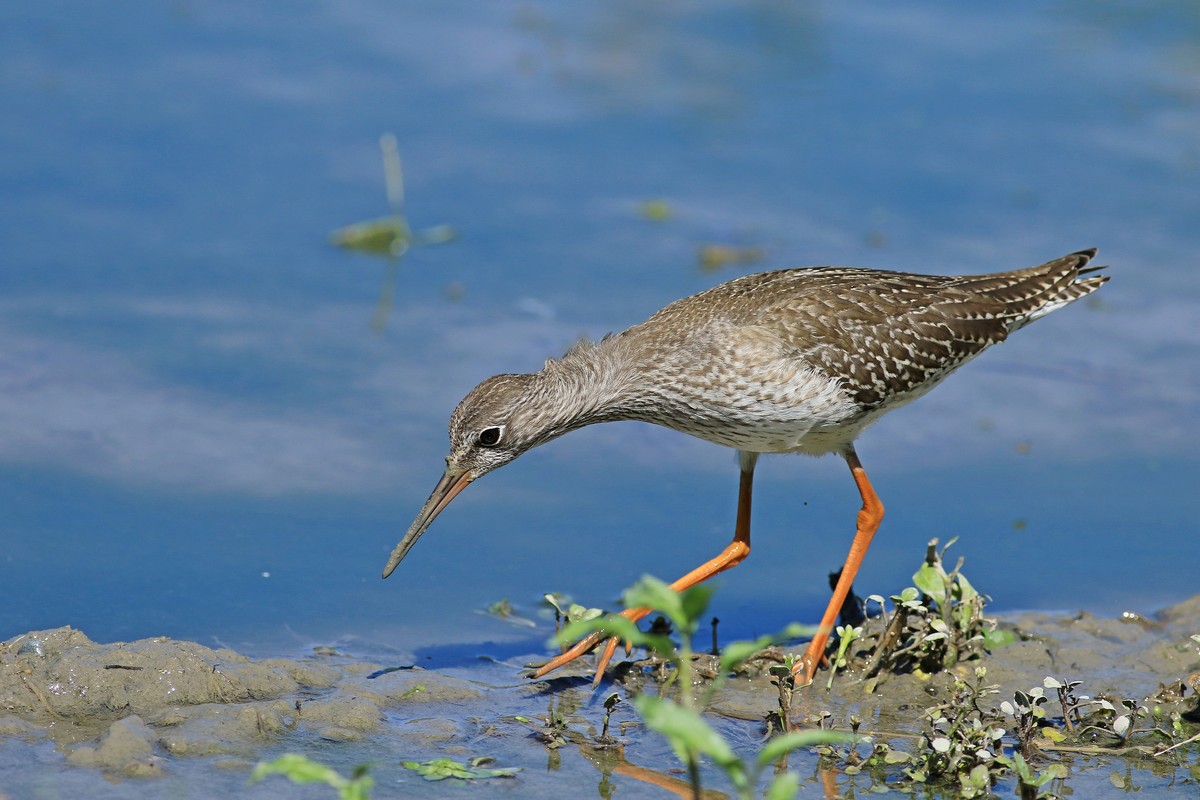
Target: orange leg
(733, 554)
(869, 517)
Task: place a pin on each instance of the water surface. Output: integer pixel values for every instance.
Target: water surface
(201, 435)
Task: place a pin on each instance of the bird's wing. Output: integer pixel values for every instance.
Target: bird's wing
(884, 334)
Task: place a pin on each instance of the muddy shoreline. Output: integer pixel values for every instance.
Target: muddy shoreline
(144, 709)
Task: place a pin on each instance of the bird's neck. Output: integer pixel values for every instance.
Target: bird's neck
(593, 382)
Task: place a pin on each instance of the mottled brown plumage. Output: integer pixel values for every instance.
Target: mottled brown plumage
(798, 360)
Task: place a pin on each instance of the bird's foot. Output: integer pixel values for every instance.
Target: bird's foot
(814, 656)
(587, 643)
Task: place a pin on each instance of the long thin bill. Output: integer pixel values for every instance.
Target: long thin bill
(445, 491)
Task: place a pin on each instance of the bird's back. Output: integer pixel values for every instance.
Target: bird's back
(884, 336)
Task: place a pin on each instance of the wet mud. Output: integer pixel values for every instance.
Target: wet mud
(141, 709)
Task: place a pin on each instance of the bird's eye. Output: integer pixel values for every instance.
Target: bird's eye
(490, 437)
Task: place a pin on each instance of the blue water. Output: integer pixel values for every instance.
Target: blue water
(201, 435)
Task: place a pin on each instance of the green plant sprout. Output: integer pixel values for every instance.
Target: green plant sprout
(1030, 782)
(936, 623)
(783, 677)
(390, 235)
(610, 704)
(846, 635)
(679, 719)
(566, 611)
(301, 769)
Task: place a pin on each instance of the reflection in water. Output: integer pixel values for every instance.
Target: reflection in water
(563, 726)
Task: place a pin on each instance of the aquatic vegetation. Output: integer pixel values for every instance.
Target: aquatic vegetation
(846, 635)
(713, 256)
(566, 612)
(656, 210)
(966, 747)
(301, 769)
(1098, 725)
(965, 744)
(504, 610)
(439, 769)
(389, 236)
(676, 711)
(960, 748)
(936, 623)
(1030, 781)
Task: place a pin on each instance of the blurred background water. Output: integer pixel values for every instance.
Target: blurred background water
(202, 436)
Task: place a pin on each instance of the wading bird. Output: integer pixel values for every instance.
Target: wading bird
(791, 361)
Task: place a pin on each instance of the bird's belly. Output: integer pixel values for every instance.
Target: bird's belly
(790, 437)
(807, 414)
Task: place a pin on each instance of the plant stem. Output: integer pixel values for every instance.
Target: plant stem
(694, 776)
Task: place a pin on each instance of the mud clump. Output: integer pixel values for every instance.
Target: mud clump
(122, 707)
(63, 673)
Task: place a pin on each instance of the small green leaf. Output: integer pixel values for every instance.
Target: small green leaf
(385, 235)
(656, 210)
(414, 690)
(653, 593)
(735, 653)
(695, 602)
(930, 581)
(610, 625)
(996, 639)
(577, 612)
(687, 731)
(301, 769)
(781, 745)
(298, 769)
(784, 787)
(556, 600)
(978, 778)
(442, 768)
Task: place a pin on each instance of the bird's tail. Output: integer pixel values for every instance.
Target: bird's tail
(1032, 293)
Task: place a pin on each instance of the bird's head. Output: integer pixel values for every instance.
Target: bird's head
(499, 420)
(493, 425)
